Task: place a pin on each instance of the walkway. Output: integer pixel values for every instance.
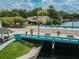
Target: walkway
(32, 54)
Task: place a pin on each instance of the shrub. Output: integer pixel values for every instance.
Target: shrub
(7, 22)
(49, 21)
(13, 22)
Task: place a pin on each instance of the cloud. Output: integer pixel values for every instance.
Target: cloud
(24, 4)
(66, 5)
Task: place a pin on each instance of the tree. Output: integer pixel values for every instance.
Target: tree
(7, 22)
(8, 13)
(34, 11)
(13, 22)
(75, 16)
(14, 14)
(5, 13)
(56, 21)
(42, 12)
(49, 21)
(19, 22)
(71, 16)
(52, 13)
(21, 12)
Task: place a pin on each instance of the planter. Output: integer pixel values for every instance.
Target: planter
(47, 34)
(70, 36)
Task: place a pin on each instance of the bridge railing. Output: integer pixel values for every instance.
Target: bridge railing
(62, 26)
(47, 38)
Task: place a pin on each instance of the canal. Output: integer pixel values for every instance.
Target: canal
(75, 23)
(60, 51)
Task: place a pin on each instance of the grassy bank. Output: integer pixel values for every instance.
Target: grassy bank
(15, 50)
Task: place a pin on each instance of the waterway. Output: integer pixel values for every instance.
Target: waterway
(75, 23)
(71, 24)
(61, 51)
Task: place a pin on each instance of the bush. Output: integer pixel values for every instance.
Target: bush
(56, 21)
(7, 22)
(19, 22)
(13, 22)
(70, 36)
(49, 21)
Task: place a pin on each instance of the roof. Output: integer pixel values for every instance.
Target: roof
(4, 30)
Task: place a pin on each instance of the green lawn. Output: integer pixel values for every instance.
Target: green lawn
(14, 50)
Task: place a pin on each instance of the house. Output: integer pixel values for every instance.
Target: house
(34, 19)
(43, 19)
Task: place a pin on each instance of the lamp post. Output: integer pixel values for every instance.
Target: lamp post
(38, 27)
(72, 22)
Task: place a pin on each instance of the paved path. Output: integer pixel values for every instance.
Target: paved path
(32, 54)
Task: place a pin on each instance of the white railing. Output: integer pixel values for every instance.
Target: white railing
(2, 46)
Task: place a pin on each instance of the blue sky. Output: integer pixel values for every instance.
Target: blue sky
(66, 5)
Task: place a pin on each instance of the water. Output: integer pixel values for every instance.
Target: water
(75, 23)
(46, 51)
(66, 51)
(61, 51)
(65, 25)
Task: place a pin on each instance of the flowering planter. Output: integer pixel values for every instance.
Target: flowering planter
(47, 34)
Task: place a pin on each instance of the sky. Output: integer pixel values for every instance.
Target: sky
(65, 5)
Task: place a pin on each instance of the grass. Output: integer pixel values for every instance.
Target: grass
(15, 50)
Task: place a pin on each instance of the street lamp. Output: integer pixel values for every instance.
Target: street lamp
(38, 27)
(72, 22)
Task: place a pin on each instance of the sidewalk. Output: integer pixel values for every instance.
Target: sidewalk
(32, 54)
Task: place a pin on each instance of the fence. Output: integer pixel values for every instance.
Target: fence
(2, 46)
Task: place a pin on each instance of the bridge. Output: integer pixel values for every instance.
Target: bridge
(63, 45)
(47, 38)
